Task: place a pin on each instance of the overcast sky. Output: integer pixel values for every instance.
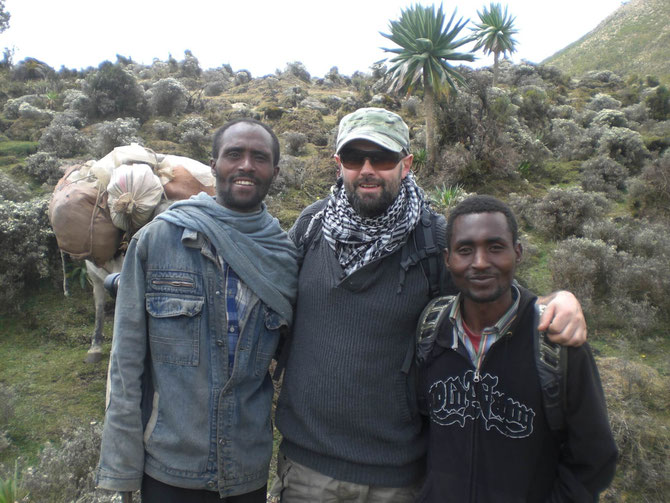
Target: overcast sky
(262, 36)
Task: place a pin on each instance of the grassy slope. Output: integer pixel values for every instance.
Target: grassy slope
(51, 388)
(634, 39)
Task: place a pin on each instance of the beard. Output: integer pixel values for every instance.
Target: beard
(368, 205)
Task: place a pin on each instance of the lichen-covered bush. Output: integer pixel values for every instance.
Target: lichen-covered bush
(111, 134)
(562, 213)
(69, 118)
(659, 103)
(650, 192)
(67, 472)
(11, 190)
(195, 132)
(78, 102)
(215, 88)
(114, 90)
(611, 118)
(602, 101)
(168, 97)
(566, 139)
(602, 174)
(297, 69)
(533, 106)
(63, 141)
(584, 267)
(411, 106)
(190, 66)
(291, 174)
(12, 106)
(27, 248)
(164, 130)
(44, 167)
(30, 112)
(294, 142)
(624, 146)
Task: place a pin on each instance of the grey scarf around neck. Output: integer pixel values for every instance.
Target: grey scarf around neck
(253, 244)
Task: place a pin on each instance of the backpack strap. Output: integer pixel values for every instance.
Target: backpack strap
(551, 360)
(426, 329)
(429, 238)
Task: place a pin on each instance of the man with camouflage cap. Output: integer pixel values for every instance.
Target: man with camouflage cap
(371, 260)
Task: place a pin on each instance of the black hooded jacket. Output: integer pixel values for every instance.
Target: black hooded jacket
(489, 440)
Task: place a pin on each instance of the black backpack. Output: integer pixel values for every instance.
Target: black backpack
(551, 359)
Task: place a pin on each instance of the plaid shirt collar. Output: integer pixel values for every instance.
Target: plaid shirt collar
(489, 335)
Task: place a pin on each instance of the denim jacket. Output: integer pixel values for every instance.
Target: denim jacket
(174, 411)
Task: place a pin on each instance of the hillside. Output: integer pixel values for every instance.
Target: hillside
(635, 39)
(584, 163)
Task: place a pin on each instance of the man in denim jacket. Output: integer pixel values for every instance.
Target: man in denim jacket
(204, 290)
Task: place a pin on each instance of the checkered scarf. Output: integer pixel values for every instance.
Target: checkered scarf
(357, 240)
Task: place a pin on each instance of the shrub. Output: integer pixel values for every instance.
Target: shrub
(190, 67)
(294, 142)
(215, 88)
(69, 118)
(168, 97)
(67, 472)
(164, 130)
(28, 249)
(636, 394)
(659, 103)
(624, 146)
(650, 192)
(611, 118)
(63, 141)
(534, 107)
(410, 106)
(78, 102)
(44, 168)
(291, 174)
(297, 69)
(585, 268)
(111, 134)
(565, 139)
(602, 101)
(114, 90)
(11, 190)
(563, 212)
(195, 133)
(12, 106)
(603, 174)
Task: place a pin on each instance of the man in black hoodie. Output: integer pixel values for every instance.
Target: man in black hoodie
(489, 437)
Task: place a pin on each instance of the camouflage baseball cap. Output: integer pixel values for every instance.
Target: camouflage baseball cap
(376, 125)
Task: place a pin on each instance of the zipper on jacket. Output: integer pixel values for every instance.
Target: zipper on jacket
(175, 283)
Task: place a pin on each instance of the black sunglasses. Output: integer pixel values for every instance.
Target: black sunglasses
(352, 158)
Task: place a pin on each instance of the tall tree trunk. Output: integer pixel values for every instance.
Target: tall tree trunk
(431, 127)
(495, 68)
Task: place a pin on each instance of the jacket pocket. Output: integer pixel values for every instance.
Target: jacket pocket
(174, 328)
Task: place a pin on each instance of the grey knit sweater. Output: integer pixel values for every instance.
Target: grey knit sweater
(346, 408)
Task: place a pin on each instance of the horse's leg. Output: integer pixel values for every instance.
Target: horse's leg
(94, 354)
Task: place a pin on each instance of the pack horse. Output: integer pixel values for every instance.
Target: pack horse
(97, 206)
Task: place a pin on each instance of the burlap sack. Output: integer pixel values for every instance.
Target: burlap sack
(134, 191)
(80, 219)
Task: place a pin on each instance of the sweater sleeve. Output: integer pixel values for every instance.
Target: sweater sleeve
(588, 456)
(121, 464)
